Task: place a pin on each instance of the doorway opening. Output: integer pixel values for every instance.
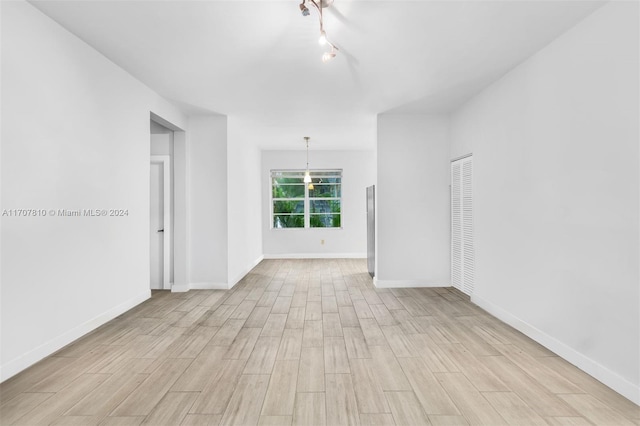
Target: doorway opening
(161, 208)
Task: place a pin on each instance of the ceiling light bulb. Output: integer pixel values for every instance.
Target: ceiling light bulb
(323, 38)
(327, 56)
(307, 177)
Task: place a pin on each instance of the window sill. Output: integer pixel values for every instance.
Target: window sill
(307, 229)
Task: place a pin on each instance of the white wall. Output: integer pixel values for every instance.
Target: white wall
(75, 135)
(207, 142)
(555, 146)
(349, 241)
(412, 197)
(244, 200)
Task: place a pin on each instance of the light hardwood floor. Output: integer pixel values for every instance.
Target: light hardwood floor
(308, 342)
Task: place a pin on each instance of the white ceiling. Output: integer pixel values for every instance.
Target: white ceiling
(260, 60)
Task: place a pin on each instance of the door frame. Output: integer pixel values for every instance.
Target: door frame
(165, 161)
(371, 233)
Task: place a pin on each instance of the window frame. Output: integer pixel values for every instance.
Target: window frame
(336, 173)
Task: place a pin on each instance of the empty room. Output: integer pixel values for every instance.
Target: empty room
(319, 212)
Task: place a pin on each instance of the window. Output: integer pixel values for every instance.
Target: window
(296, 205)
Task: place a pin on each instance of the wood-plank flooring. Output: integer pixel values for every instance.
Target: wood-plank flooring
(308, 342)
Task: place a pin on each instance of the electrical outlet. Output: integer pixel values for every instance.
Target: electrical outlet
(322, 242)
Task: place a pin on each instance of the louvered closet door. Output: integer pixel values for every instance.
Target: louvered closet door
(456, 225)
(462, 253)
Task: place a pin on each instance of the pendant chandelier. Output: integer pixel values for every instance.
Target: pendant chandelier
(307, 175)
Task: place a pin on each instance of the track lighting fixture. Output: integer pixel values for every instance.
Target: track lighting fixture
(323, 41)
(323, 38)
(327, 56)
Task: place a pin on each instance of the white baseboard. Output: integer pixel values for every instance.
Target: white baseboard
(586, 364)
(406, 283)
(24, 361)
(179, 288)
(210, 285)
(204, 285)
(316, 256)
(245, 271)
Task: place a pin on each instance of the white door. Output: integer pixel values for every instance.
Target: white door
(156, 230)
(462, 251)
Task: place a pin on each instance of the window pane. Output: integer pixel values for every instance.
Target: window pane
(294, 205)
(327, 176)
(325, 206)
(288, 190)
(285, 178)
(325, 220)
(288, 207)
(324, 191)
(288, 221)
(290, 174)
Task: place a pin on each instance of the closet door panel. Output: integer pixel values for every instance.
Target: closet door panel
(462, 251)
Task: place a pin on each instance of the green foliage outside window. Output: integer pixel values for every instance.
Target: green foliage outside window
(322, 199)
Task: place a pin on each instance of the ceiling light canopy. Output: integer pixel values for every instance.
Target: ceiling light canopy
(323, 41)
